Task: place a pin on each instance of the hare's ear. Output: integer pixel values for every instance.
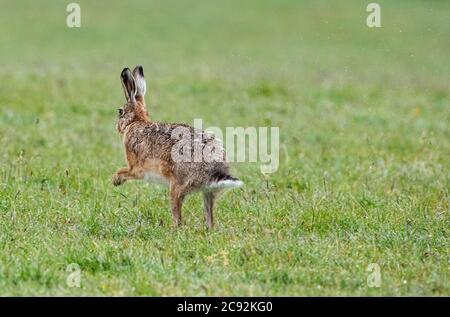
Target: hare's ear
(141, 86)
(129, 85)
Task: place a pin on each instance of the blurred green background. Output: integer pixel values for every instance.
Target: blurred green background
(364, 122)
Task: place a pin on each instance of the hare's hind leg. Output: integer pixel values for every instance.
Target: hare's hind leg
(208, 205)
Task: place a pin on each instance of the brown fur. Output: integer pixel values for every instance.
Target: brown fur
(148, 147)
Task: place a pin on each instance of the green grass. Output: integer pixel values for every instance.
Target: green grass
(364, 117)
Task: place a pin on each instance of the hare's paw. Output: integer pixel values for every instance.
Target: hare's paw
(117, 179)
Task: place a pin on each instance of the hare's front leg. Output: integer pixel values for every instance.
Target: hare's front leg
(125, 173)
(177, 195)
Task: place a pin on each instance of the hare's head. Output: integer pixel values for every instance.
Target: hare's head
(134, 87)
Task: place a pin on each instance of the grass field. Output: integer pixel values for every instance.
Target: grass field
(364, 118)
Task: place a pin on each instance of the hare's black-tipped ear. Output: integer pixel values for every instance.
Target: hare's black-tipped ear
(129, 85)
(141, 86)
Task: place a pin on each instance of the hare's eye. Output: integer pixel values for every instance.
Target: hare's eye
(120, 111)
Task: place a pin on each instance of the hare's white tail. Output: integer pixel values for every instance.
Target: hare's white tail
(227, 183)
(223, 183)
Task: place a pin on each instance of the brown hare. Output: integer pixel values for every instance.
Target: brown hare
(162, 152)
